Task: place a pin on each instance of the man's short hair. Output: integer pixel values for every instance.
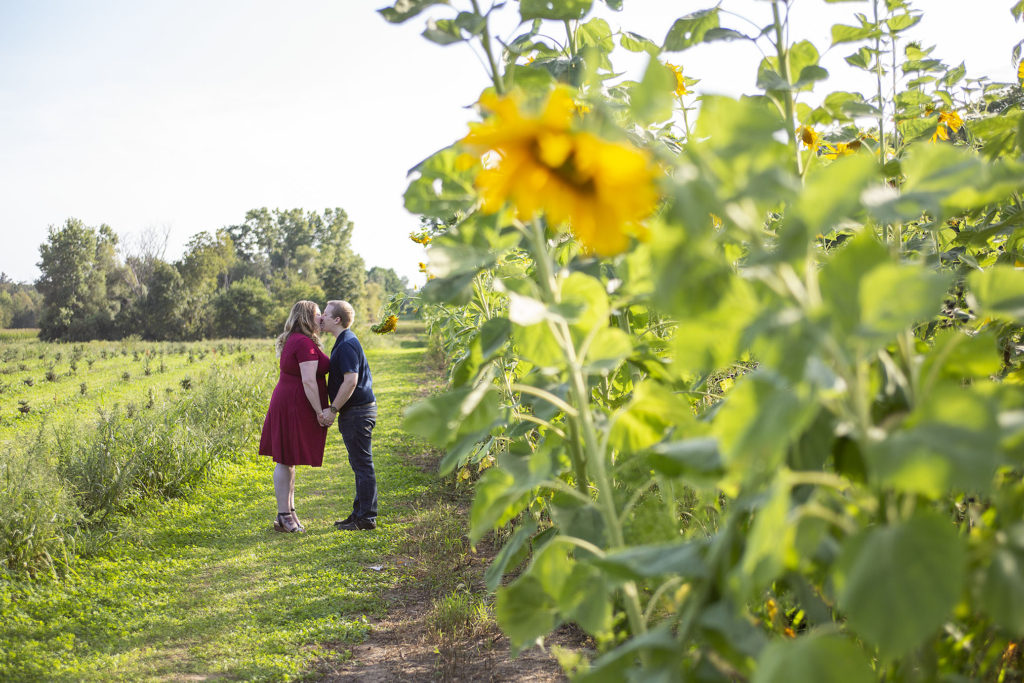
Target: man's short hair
(343, 310)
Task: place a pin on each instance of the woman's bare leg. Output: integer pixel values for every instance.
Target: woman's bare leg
(291, 492)
(284, 487)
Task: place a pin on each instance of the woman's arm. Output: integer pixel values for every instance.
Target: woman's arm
(308, 371)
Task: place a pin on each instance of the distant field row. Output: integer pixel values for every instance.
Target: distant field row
(42, 382)
(13, 334)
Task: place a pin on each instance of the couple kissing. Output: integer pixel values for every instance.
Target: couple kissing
(313, 389)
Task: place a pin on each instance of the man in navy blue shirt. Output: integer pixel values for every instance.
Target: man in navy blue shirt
(350, 388)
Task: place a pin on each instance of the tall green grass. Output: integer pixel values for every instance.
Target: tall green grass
(38, 515)
(71, 478)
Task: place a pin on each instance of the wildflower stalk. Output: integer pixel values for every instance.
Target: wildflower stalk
(583, 425)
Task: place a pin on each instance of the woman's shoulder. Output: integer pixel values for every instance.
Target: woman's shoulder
(302, 342)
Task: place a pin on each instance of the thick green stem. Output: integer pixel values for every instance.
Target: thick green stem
(585, 428)
(862, 398)
(907, 349)
(570, 39)
(485, 40)
(478, 287)
(623, 319)
(579, 461)
(686, 121)
(788, 103)
(881, 95)
(895, 130)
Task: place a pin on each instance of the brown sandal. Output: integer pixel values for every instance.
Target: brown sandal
(286, 523)
(295, 518)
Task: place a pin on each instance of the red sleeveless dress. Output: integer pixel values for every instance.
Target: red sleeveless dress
(291, 433)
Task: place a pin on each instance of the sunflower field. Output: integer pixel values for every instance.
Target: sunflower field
(738, 381)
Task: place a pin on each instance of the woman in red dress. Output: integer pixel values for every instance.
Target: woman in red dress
(293, 433)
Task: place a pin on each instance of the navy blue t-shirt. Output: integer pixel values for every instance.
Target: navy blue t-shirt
(347, 356)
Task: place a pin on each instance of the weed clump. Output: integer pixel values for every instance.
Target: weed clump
(39, 520)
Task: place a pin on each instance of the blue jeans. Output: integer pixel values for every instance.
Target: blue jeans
(356, 426)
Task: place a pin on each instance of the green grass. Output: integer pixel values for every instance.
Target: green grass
(204, 586)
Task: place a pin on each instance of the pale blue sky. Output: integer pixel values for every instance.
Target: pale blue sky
(186, 114)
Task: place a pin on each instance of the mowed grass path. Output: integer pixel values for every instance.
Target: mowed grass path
(205, 589)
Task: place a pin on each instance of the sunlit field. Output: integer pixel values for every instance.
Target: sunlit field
(138, 538)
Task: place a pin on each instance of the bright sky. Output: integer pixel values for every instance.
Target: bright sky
(184, 114)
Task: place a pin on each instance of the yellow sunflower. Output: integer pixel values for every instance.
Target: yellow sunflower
(680, 80)
(389, 324)
(600, 190)
(951, 119)
(840, 149)
(809, 137)
(949, 122)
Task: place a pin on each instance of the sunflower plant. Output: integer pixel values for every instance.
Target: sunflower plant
(741, 389)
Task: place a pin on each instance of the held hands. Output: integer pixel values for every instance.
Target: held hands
(326, 417)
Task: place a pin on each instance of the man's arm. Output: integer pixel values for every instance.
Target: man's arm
(348, 385)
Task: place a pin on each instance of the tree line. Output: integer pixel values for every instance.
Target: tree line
(19, 303)
(237, 281)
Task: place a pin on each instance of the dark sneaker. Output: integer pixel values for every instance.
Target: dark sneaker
(340, 522)
(356, 525)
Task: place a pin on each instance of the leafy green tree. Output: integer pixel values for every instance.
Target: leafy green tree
(310, 246)
(373, 301)
(345, 278)
(242, 310)
(78, 263)
(248, 237)
(164, 304)
(207, 261)
(388, 279)
(142, 253)
(382, 284)
(288, 289)
(206, 266)
(125, 292)
(290, 243)
(20, 303)
(28, 303)
(341, 272)
(6, 309)
(281, 256)
(333, 233)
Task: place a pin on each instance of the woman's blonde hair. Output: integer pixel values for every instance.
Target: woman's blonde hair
(301, 319)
